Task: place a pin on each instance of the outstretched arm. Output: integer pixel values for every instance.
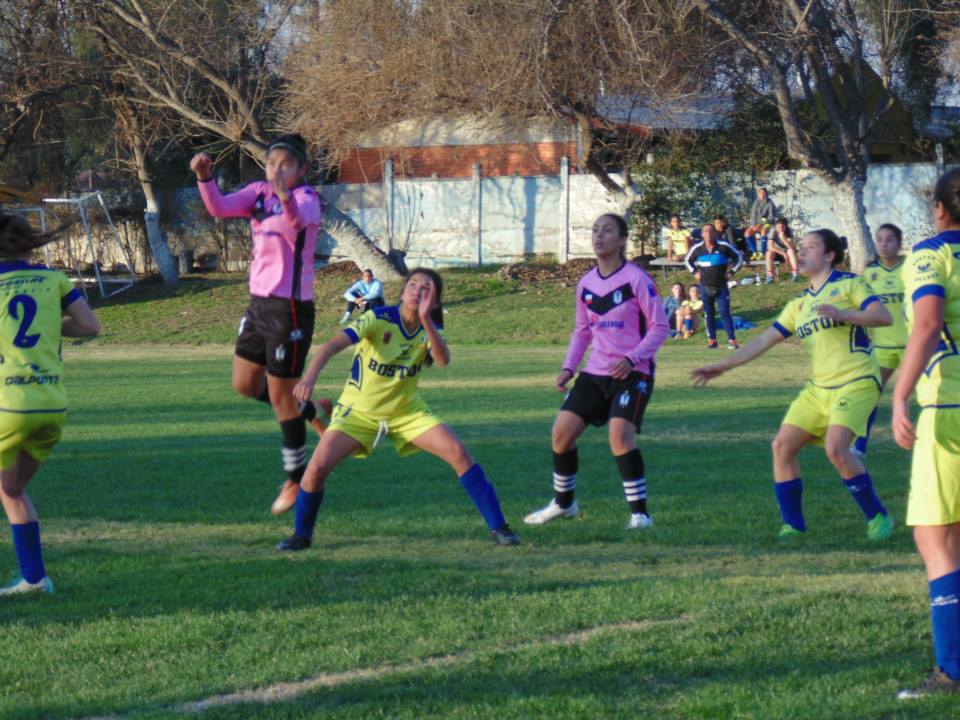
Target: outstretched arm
(753, 349)
(338, 343)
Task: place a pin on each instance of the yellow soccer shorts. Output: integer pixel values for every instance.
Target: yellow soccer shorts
(817, 408)
(401, 429)
(35, 433)
(889, 358)
(935, 475)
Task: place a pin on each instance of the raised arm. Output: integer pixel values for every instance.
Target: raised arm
(238, 204)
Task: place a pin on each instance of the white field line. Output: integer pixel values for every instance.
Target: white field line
(286, 691)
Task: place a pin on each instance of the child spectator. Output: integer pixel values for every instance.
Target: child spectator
(688, 316)
(671, 305)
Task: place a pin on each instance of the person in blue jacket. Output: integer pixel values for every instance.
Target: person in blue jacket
(365, 294)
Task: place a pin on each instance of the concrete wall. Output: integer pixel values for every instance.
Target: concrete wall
(503, 219)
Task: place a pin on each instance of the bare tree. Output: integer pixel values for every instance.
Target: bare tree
(366, 64)
(817, 59)
(212, 65)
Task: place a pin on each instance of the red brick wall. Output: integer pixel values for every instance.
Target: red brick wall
(456, 161)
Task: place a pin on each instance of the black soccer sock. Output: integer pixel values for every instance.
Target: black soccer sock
(632, 472)
(565, 477)
(294, 449)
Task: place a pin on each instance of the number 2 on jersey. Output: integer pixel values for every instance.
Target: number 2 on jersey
(24, 309)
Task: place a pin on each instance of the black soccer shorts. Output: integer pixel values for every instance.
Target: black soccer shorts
(276, 332)
(597, 398)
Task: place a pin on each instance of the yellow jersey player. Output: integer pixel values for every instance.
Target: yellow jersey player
(832, 409)
(33, 404)
(380, 399)
(883, 276)
(677, 239)
(931, 364)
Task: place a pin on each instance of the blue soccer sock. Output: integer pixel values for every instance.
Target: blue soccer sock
(790, 498)
(688, 324)
(305, 514)
(26, 543)
(860, 444)
(945, 616)
(475, 482)
(861, 487)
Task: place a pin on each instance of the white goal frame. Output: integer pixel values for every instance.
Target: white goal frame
(79, 205)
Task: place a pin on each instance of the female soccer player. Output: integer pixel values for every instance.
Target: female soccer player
(380, 399)
(832, 409)
(33, 302)
(883, 276)
(781, 245)
(619, 314)
(276, 330)
(931, 363)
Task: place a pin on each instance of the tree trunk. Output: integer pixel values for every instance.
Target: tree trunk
(358, 247)
(852, 214)
(166, 263)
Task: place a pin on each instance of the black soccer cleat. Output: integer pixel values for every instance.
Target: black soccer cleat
(505, 536)
(294, 543)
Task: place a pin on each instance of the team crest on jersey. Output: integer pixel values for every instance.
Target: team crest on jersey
(386, 337)
(617, 297)
(624, 398)
(873, 277)
(834, 292)
(588, 298)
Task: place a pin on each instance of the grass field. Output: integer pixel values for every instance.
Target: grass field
(171, 600)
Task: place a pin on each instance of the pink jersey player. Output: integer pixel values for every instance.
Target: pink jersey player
(284, 234)
(620, 315)
(276, 330)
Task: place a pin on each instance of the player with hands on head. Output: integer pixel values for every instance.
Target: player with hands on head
(38, 307)
(829, 318)
(277, 327)
(619, 315)
(931, 365)
(380, 400)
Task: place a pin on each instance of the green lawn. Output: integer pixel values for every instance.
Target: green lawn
(169, 591)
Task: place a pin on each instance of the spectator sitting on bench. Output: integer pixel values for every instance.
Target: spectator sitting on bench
(677, 239)
(726, 233)
(762, 213)
(781, 245)
(688, 316)
(364, 294)
(672, 304)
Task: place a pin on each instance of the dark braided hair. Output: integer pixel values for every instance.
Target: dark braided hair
(18, 238)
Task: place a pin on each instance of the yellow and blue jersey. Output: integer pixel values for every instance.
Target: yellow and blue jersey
(386, 366)
(32, 299)
(932, 269)
(839, 353)
(887, 284)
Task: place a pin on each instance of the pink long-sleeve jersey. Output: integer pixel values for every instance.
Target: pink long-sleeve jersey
(620, 316)
(284, 234)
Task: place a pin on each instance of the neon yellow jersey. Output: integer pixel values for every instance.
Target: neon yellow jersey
(32, 299)
(840, 353)
(387, 364)
(887, 284)
(677, 239)
(931, 269)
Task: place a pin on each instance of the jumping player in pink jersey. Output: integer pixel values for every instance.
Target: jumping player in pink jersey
(276, 330)
(619, 314)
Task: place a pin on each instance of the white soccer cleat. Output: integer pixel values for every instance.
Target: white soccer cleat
(551, 512)
(345, 319)
(639, 521)
(19, 586)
